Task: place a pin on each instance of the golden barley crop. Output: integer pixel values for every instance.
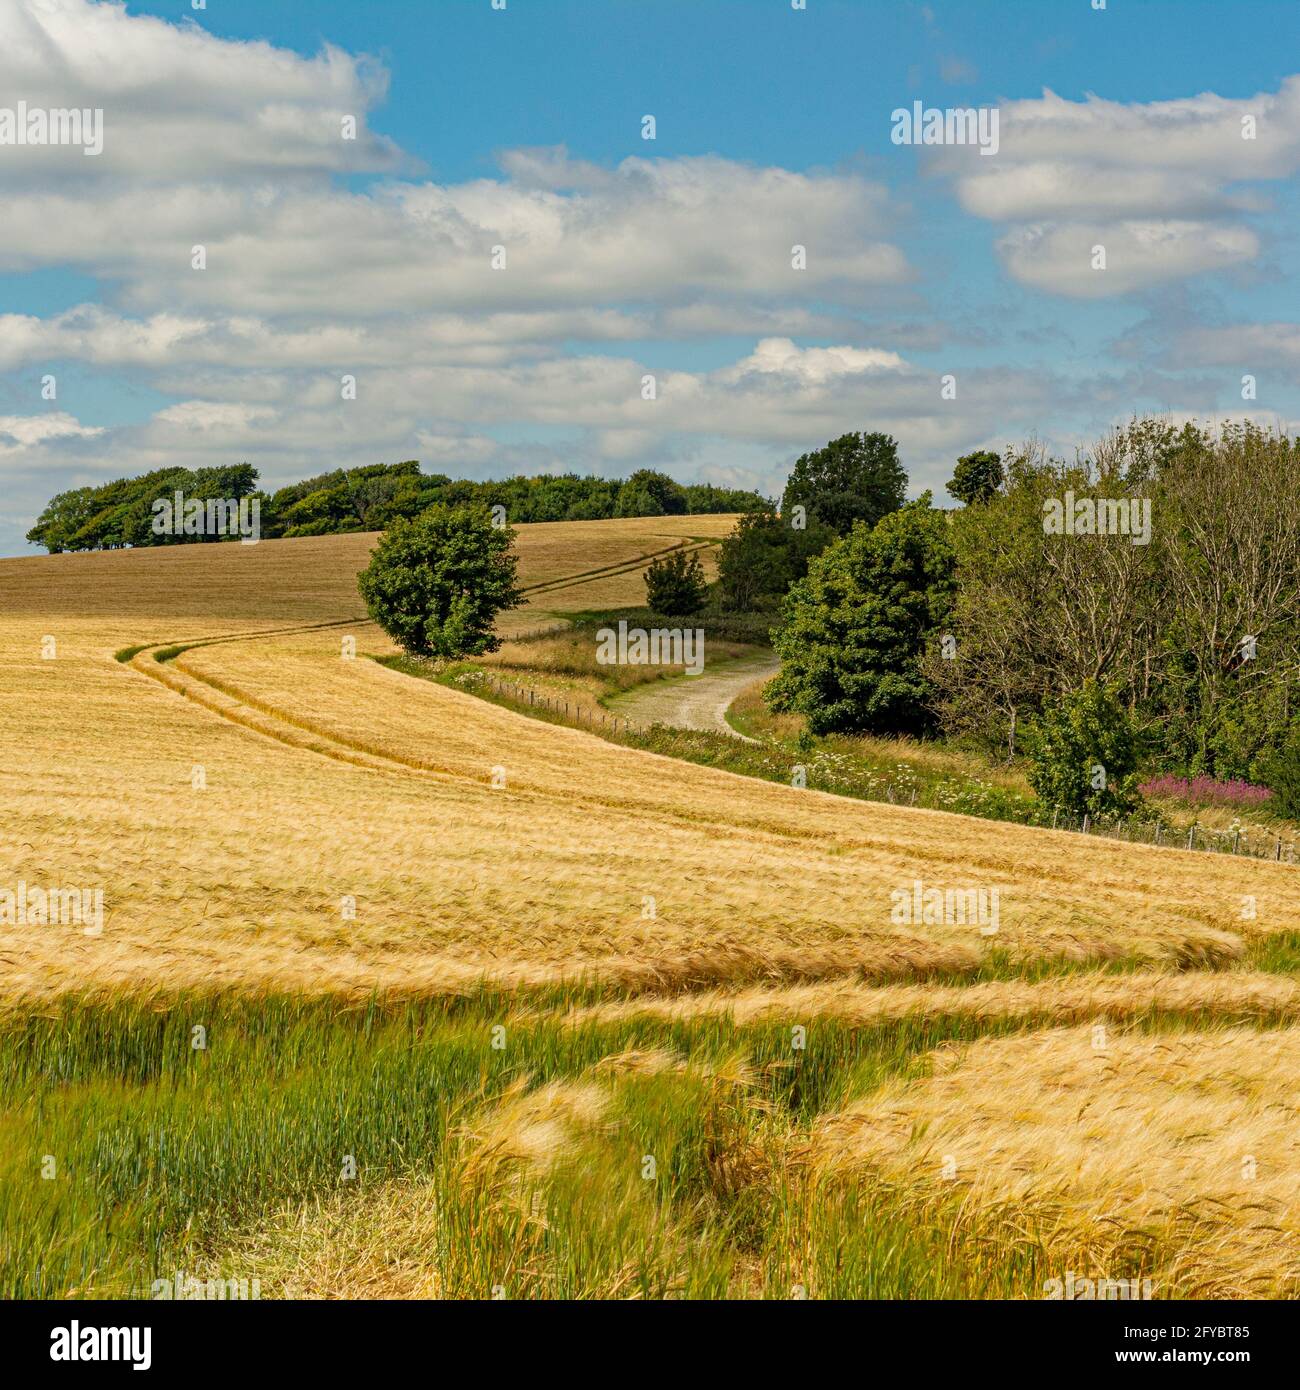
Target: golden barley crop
(280, 825)
(1181, 1148)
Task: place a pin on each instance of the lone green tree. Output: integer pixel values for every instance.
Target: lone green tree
(436, 583)
(977, 477)
(856, 629)
(856, 477)
(674, 584)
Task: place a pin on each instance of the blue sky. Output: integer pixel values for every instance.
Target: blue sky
(629, 257)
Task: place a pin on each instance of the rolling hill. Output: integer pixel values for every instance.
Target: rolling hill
(498, 964)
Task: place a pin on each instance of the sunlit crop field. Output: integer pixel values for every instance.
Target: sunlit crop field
(460, 973)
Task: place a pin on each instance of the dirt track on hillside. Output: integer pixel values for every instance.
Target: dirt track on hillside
(696, 702)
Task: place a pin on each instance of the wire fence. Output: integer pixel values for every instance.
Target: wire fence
(1256, 844)
(584, 716)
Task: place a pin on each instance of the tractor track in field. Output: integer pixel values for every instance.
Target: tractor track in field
(161, 661)
(611, 571)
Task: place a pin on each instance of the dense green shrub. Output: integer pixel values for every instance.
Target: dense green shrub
(674, 584)
(763, 556)
(1083, 754)
(1281, 773)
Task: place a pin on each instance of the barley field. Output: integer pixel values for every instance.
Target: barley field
(400, 993)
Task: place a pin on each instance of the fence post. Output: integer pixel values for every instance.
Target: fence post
(1236, 839)
(1085, 822)
(1157, 832)
(1278, 855)
(1055, 813)
(1191, 836)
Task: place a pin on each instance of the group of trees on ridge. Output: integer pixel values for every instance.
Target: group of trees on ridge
(370, 498)
(1178, 647)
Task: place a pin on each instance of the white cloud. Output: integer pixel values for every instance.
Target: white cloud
(1137, 254)
(238, 147)
(91, 333)
(19, 432)
(176, 99)
(1247, 347)
(473, 449)
(663, 232)
(810, 367)
(231, 423)
(1162, 185)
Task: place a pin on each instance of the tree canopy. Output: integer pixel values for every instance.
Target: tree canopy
(856, 477)
(977, 477)
(1190, 611)
(437, 583)
(367, 498)
(855, 629)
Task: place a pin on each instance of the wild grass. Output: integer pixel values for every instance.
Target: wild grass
(964, 779)
(161, 1152)
(624, 1158)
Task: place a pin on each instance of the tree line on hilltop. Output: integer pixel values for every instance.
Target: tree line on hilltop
(121, 513)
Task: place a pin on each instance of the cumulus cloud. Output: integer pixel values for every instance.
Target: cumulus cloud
(176, 100)
(812, 367)
(780, 396)
(240, 147)
(19, 432)
(661, 231)
(1164, 186)
(1068, 259)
